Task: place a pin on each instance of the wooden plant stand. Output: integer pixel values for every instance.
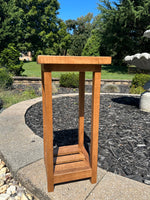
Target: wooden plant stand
(69, 163)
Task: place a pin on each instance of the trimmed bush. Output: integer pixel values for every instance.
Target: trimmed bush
(138, 83)
(6, 79)
(70, 80)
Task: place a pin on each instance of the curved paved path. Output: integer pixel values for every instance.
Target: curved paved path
(22, 151)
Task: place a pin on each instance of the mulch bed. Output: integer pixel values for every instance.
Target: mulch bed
(124, 132)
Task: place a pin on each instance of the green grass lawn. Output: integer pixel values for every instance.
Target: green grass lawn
(32, 69)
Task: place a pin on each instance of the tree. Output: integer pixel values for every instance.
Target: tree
(80, 31)
(9, 60)
(121, 27)
(39, 24)
(10, 23)
(31, 25)
(64, 39)
(92, 46)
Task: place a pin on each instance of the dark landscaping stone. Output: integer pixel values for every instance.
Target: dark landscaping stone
(124, 132)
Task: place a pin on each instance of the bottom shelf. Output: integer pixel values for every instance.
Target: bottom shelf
(71, 163)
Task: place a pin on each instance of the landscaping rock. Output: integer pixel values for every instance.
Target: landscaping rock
(4, 196)
(124, 136)
(3, 188)
(3, 170)
(11, 189)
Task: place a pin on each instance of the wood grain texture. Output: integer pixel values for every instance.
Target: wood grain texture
(49, 130)
(44, 115)
(81, 109)
(72, 68)
(67, 150)
(42, 59)
(69, 158)
(72, 162)
(74, 174)
(95, 124)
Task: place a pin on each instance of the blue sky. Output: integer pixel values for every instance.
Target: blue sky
(72, 9)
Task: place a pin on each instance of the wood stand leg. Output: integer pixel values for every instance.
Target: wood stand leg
(48, 128)
(95, 124)
(81, 109)
(44, 114)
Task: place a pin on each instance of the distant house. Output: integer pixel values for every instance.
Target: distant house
(26, 57)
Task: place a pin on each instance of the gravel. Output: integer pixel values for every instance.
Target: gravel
(124, 132)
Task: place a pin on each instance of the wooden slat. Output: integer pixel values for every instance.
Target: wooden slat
(63, 168)
(75, 174)
(72, 68)
(69, 158)
(43, 59)
(66, 150)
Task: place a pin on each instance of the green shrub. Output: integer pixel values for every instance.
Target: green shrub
(137, 90)
(6, 79)
(70, 80)
(138, 83)
(29, 92)
(9, 59)
(38, 52)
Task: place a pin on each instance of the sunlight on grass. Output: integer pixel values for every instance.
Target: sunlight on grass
(32, 69)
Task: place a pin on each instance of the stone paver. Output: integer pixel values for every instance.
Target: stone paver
(74, 190)
(115, 187)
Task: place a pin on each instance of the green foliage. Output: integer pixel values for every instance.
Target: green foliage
(39, 24)
(92, 46)
(9, 59)
(137, 90)
(64, 39)
(121, 26)
(80, 30)
(70, 80)
(138, 83)
(10, 97)
(10, 23)
(30, 25)
(140, 80)
(29, 93)
(5, 79)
